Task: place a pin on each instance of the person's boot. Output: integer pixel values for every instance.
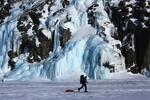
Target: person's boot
(78, 90)
(85, 91)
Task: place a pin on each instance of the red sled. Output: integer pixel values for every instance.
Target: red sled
(69, 90)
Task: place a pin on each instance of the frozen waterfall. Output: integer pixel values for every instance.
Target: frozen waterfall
(85, 52)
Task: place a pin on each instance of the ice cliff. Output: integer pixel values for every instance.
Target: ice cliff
(54, 39)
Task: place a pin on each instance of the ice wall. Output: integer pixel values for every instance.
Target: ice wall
(86, 51)
(8, 41)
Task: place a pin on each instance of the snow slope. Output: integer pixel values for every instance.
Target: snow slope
(134, 87)
(125, 75)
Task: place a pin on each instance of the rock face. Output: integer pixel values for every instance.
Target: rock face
(53, 38)
(147, 57)
(4, 10)
(31, 33)
(132, 22)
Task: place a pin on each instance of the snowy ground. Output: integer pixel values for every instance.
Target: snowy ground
(135, 87)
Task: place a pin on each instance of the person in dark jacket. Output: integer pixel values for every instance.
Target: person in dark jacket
(83, 81)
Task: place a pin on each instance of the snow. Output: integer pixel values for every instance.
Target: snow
(44, 14)
(130, 9)
(148, 10)
(131, 2)
(47, 33)
(115, 2)
(125, 75)
(83, 32)
(132, 88)
(37, 42)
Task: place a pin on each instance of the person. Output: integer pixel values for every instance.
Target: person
(83, 81)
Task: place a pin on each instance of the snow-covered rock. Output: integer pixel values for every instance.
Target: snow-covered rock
(133, 30)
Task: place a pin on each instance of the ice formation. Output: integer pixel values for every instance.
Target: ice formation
(86, 50)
